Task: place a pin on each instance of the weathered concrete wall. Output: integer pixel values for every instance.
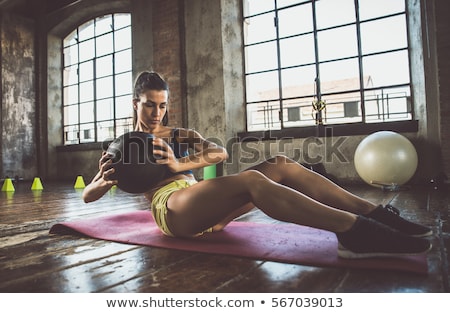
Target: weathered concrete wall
(215, 92)
(336, 154)
(18, 122)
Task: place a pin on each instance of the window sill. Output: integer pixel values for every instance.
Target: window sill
(329, 130)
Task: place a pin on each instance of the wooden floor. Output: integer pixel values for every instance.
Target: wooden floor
(31, 260)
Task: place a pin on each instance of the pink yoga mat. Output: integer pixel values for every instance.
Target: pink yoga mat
(286, 243)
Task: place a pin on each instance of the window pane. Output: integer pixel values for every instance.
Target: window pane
(121, 20)
(103, 25)
(339, 76)
(329, 49)
(87, 50)
(71, 134)
(71, 115)
(122, 39)
(335, 12)
(70, 75)
(384, 34)
(296, 20)
(86, 112)
(70, 55)
(370, 9)
(70, 94)
(124, 107)
(284, 3)
(388, 104)
(343, 108)
(86, 71)
(71, 39)
(105, 130)
(124, 84)
(87, 91)
(87, 133)
(263, 115)
(259, 6)
(299, 81)
(262, 86)
(104, 66)
(260, 28)
(123, 61)
(382, 75)
(297, 50)
(104, 44)
(298, 112)
(105, 109)
(124, 126)
(86, 31)
(105, 87)
(261, 57)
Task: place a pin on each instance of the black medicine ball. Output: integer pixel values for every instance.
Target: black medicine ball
(134, 163)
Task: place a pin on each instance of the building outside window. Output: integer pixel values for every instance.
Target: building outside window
(97, 80)
(351, 55)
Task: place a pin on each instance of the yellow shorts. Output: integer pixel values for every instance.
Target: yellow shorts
(159, 204)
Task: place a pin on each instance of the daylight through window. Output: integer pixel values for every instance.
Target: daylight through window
(348, 57)
(97, 80)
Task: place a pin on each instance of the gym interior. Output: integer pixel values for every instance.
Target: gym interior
(50, 145)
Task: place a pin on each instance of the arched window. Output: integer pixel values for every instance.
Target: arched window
(97, 80)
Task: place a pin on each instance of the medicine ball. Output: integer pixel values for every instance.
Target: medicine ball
(134, 163)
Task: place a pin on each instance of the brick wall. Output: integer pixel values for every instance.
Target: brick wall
(167, 53)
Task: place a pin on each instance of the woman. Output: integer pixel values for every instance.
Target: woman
(280, 187)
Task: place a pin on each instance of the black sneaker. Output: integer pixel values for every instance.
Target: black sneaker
(390, 216)
(368, 238)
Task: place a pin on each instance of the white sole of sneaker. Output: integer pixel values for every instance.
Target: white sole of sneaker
(347, 254)
(430, 233)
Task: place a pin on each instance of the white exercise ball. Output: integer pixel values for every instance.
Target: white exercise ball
(386, 158)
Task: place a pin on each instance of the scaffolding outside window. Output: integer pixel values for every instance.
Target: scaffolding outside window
(97, 80)
(325, 62)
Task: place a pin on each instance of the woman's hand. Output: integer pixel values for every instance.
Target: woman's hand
(165, 155)
(205, 152)
(106, 169)
(101, 183)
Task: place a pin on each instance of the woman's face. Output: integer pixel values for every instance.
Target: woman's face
(151, 108)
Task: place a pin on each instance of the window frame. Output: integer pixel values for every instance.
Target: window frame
(409, 122)
(117, 123)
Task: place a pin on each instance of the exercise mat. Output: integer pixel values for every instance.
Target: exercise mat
(283, 242)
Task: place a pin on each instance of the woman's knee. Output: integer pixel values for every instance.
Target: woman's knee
(280, 160)
(252, 176)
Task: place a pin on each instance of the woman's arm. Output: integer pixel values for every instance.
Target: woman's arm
(205, 152)
(100, 184)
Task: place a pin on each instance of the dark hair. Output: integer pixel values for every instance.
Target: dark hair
(149, 80)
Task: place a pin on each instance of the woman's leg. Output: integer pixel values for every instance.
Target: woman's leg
(296, 176)
(194, 209)
(209, 202)
(290, 173)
